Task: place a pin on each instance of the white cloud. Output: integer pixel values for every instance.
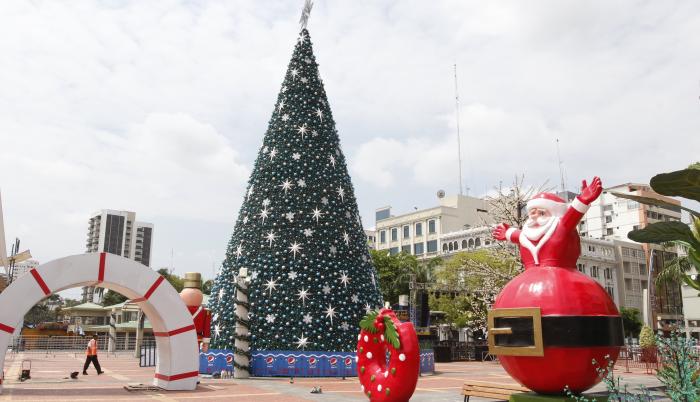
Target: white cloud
(168, 102)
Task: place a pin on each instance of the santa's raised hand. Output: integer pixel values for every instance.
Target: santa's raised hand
(590, 193)
(499, 233)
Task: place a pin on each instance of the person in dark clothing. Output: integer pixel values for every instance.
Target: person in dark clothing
(92, 356)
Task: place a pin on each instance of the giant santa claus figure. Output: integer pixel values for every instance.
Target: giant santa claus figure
(551, 321)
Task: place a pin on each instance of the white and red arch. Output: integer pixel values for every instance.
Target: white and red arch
(177, 365)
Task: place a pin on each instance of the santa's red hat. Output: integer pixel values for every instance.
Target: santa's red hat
(548, 201)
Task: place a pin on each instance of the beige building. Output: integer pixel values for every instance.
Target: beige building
(612, 218)
(598, 259)
(420, 232)
(118, 232)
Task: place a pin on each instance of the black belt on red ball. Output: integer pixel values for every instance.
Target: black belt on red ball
(563, 331)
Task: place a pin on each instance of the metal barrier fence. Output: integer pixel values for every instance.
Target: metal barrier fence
(148, 353)
(36, 344)
(634, 357)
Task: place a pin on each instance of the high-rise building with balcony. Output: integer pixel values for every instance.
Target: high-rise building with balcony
(118, 232)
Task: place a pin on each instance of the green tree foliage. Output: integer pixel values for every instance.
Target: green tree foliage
(395, 272)
(70, 302)
(679, 371)
(475, 278)
(38, 314)
(631, 321)
(206, 287)
(111, 298)
(646, 337)
(175, 280)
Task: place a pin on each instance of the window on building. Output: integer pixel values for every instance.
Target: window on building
(594, 271)
(471, 243)
(628, 284)
(609, 231)
(406, 234)
(632, 205)
(627, 267)
(394, 234)
(642, 269)
(449, 246)
(418, 248)
(464, 243)
(432, 246)
(626, 251)
(611, 291)
(581, 268)
(419, 229)
(406, 249)
(645, 285)
(382, 236)
(431, 226)
(608, 219)
(608, 273)
(636, 285)
(608, 207)
(394, 250)
(477, 242)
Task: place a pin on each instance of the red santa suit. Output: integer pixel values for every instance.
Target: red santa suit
(579, 320)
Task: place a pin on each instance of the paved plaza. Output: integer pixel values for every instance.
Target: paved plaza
(50, 382)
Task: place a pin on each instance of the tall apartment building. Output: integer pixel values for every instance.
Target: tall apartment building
(612, 218)
(118, 232)
(420, 232)
(23, 267)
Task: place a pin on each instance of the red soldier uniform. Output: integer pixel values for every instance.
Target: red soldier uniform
(193, 297)
(579, 322)
(202, 322)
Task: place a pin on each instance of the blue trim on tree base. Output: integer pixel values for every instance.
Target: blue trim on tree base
(281, 363)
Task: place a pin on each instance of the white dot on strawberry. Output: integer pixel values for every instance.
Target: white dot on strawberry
(369, 355)
(402, 357)
(379, 387)
(366, 338)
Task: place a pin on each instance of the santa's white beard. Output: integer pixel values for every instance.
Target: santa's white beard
(534, 229)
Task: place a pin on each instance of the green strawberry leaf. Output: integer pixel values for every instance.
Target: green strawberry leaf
(392, 336)
(367, 323)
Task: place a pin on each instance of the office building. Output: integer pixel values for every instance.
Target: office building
(420, 232)
(118, 232)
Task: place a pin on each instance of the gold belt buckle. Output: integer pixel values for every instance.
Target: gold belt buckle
(536, 349)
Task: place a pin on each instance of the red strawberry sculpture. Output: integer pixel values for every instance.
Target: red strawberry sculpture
(381, 334)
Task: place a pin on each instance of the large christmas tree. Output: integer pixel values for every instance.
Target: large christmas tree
(298, 232)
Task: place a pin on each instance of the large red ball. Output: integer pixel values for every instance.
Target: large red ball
(558, 292)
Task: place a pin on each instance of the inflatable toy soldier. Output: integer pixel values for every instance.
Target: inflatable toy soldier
(193, 297)
(551, 321)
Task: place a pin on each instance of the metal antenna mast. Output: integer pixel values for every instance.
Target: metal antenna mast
(305, 12)
(561, 170)
(459, 139)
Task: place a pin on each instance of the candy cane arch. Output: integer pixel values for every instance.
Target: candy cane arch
(382, 332)
(177, 366)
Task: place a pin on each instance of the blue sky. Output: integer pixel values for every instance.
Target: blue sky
(160, 107)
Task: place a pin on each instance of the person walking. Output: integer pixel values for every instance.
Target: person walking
(92, 356)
